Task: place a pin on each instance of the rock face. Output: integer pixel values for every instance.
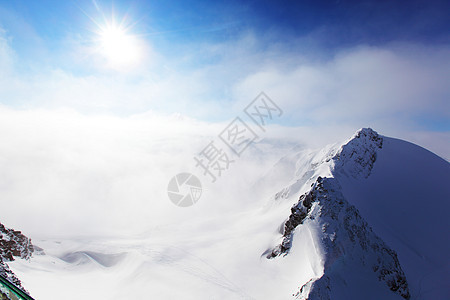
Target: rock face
(349, 245)
(357, 157)
(13, 244)
(347, 239)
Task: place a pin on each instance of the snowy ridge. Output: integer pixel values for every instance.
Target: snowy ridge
(357, 157)
(348, 241)
(349, 244)
(354, 158)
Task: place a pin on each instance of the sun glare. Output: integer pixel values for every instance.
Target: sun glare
(118, 46)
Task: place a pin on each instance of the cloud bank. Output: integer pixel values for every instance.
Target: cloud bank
(93, 153)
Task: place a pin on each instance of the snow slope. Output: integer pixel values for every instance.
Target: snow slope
(406, 200)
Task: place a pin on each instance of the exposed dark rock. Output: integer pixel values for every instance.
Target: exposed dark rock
(344, 231)
(357, 157)
(13, 244)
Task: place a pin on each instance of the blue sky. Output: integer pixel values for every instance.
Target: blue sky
(334, 24)
(328, 63)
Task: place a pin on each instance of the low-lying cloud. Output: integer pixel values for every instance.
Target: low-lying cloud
(94, 153)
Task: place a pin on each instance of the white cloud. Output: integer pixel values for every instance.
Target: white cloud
(70, 174)
(397, 85)
(363, 83)
(70, 166)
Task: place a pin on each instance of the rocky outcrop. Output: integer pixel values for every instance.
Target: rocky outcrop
(345, 237)
(13, 244)
(357, 157)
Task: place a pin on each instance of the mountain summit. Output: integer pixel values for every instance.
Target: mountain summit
(363, 220)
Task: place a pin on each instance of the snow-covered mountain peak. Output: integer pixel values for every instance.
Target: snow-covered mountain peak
(357, 156)
(347, 242)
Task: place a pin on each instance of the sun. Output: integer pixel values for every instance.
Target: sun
(114, 42)
(117, 45)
